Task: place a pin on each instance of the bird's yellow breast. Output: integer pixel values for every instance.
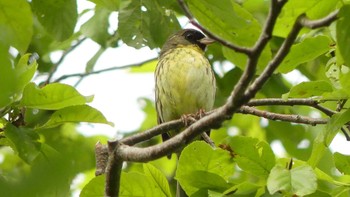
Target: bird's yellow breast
(184, 83)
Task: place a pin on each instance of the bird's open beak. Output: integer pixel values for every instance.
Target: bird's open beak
(206, 40)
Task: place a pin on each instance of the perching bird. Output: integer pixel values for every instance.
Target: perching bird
(185, 82)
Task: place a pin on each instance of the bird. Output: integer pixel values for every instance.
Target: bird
(184, 79)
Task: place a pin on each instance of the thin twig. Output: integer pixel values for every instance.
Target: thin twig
(282, 117)
(64, 55)
(104, 70)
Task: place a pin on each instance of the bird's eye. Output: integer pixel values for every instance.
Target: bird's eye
(189, 36)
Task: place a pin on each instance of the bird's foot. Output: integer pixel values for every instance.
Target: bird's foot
(188, 119)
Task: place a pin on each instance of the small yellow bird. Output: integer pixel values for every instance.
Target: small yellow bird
(184, 79)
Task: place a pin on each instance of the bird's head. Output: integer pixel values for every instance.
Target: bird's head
(186, 37)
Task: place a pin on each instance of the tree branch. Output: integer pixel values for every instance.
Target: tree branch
(113, 169)
(237, 98)
(282, 117)
(64, 55)
(81, 75)
(301, 21)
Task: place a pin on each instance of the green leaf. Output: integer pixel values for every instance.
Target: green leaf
(7, 78)
(16, 24)
(57, 17)
(313, 8)
(227, 19)
(342, 162)
(207, 180)
(145, 23)
(96, 27)
(298, 181)
(112, 5)
(95, 187)
(52, 96)
(24, 71)
(233, 23)
(253, 156)
(158, 179)
(244, 188)
(309, 89)
(324, 138)
(240, 60)
(137, 184)
(343, 32)
(14, 78)
(76, 114)
(91, 63)
(24, 142)
(198, 160)
(307, 50)
(335, 123)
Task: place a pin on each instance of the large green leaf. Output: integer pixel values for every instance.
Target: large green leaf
(233, 23)
(307, 50)
(240, 60)
(16, 24)
(253, 156)
(343, 32)
(137, 184)
(97, 27)
(298, 181)
(313, 8)
(24, 142)
(145, 23)
(52, 96)
(112, 5)
(227, 19)
(159, 180)
(197, 161)
(76, 114)
(58, 17)
(309, 89)
(95, 187)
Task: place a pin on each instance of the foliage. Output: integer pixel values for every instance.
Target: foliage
(41, 151)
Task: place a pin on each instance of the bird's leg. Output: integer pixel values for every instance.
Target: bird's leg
(188, 119)
(205, 135)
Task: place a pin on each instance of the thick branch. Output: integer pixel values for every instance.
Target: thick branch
(157, 130)
(114, 168)
(237, 99)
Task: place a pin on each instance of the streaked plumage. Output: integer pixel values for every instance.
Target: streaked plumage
(185, 82)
